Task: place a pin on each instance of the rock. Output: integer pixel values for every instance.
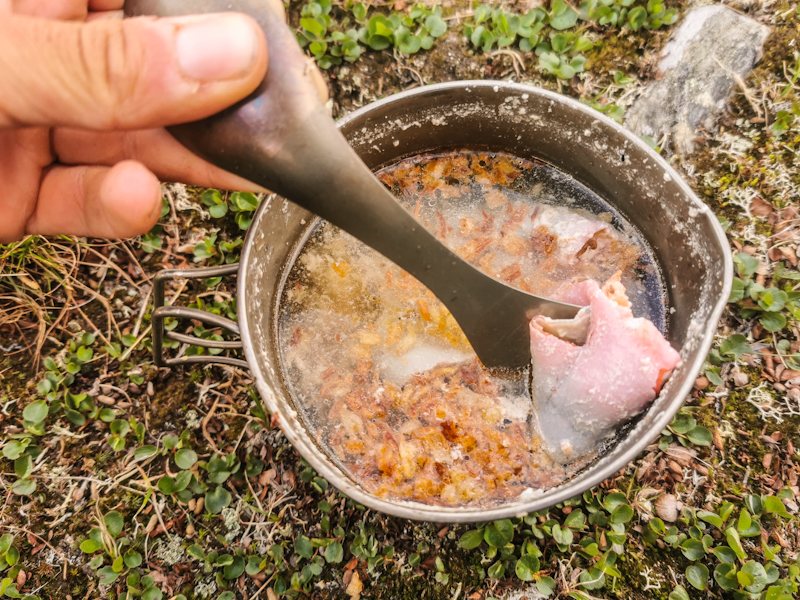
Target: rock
(713, 49)
(667, 508)
(740, 379)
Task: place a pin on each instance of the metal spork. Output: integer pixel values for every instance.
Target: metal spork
(281, 137)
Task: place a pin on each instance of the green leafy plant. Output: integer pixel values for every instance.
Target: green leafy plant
(243, 205)
(784, 119)
(595, 530)
(331, 42)
(111, 560)
(409, 33)
(9, 555)
(513, 549)
(220, 252)
(613, 13)
(559, 51)
(219, 470)
(558, 36)
(9, 559)
(562, 56)
(187, 483)
(211, 248)
(206, 249)
(77, 353)
(743, 569)
(684, 427)
(58, 400)
(54, 386)
(730, 349)
(222, 307)
(217, 206)
(152, 241)
(603, 103)
(491, 27)
(169, 485)
(232, 565)
(771, 305)
(120, 429)
(365, 546)
(328, 44)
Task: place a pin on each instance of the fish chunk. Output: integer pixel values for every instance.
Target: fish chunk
(572, 231)
(582, 391)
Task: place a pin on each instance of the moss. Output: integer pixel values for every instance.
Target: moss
(173, 393)
(748, 450)
(706, 418)
(748, 418)
(15, 374)
(779, 47)
(634, 564)
(763, 228)
(620, 52)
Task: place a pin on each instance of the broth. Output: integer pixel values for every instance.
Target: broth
(380, 371)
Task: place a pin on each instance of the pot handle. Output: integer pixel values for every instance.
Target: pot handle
(161, 312)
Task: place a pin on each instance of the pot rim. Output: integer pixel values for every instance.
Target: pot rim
(598, 471)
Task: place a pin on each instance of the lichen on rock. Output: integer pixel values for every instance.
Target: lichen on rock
(701, 65)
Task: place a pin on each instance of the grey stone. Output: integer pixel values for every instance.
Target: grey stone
(712, 48)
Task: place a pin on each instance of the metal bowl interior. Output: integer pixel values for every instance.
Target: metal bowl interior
(529, 123)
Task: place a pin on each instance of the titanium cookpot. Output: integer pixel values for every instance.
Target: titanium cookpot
(530, 123)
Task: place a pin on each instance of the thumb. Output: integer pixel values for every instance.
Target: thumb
(126, 74)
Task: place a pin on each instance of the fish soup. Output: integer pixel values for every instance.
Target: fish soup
(381, 372)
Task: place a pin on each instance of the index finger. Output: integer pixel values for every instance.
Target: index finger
(64, 10)
(102, 5)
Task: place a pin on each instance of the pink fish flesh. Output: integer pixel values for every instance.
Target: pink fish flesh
(591, 373)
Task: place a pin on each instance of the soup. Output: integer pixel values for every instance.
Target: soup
(380, 370)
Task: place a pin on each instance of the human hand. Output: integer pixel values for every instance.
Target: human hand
(83, 105)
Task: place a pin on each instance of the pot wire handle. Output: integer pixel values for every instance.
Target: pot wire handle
(161, 312)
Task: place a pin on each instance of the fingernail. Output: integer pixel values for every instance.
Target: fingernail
(218, 48)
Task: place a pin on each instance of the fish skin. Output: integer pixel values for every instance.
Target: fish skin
(581, 392)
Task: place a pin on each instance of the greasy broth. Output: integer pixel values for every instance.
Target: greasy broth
(380, 370)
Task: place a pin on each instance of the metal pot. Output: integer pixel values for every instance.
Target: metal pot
(530, 123)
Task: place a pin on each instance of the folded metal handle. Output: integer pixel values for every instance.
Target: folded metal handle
(161, 312)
